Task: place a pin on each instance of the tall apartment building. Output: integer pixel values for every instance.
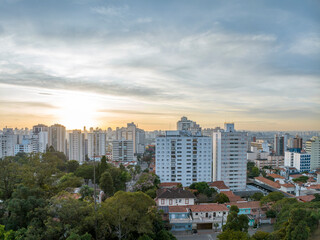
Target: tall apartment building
(25, 146)
(280, 144)
(77, 146)
(57, 138)
(133, 133)
(183, 157)
(8, 140)
(39, 138)
(313, 148)
(188, 125)
(301, 161)
(96, 144)
(297, 142)
(230, 157)
(122, 150)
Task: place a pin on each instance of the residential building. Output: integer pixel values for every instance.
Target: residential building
(8, 140)
(230, 157)
(135, 134)
(273, 161)
(77, 146)
(301, 161)
(187, 125)
(57, 138)
(174, 197)
(280, 144)
(219, 186)
(96, 144)
(122, 150)
(25, 146)
(39, 138)
(313, 148)
(183, 157)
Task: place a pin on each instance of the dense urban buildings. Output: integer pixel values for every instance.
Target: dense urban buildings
(313, 148)
(230, 157)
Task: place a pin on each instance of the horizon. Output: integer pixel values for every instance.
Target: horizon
(99, 63)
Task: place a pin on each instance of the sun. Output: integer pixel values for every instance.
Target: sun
(77, 110)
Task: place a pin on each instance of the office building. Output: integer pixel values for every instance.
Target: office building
(183, 157)
(230, 157)
(280, 144)
(301, 161)
(122, 150)
(77, 146)
(313, 148)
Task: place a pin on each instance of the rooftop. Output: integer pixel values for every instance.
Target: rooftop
(268, 182)
(213, 207)
(174, 193)
(276, 176)
(219, 185)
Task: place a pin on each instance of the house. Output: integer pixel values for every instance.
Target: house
(232, 197)
(179, 218)
(277, 177)
(266, 181)
(306, 198)
(206, 216)
(174, 197)
(253, 210)
(219, 186)
(288, 188)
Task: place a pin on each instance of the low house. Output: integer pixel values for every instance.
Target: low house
(288, 188)
(268, 182)
(253, 210)
(174, 197)
(179, 218)
(219, 186)
(306, 198)
(232, 197)
(277, 177)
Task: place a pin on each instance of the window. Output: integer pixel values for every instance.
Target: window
(170, 201)
(187, 201)
(162, 201)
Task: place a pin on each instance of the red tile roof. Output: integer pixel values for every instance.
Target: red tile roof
(296, 175)
(276, 176)
(307, 198)
(268, 182)
(219, 185)
(311, 179)
(169, 184)
(252, 204)
(214, 207)
(317, 186)
(232, 197)
(178, 209)
(288, 185)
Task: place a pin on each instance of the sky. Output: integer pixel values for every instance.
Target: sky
(105, 63)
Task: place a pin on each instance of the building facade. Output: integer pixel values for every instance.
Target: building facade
(313, 148)
(77, 146)
(96, 144)
(184, 158)
(230, 157)
(57, 138)
(122, 150)
(8, 140)
(301, 161)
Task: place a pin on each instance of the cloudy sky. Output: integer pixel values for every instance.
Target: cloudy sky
(105, 63)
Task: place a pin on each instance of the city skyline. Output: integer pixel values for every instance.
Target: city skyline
(106, 63)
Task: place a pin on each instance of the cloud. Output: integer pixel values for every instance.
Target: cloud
(111, 11)
(135, 112)
(25, 104)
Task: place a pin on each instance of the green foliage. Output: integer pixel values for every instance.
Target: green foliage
(72, 166)
(69, 180)
(202, 187)
(86, 192)
(260, 235)
(316, 198)
(147, 181)
(106, 184)
(221, 198)
(233, 235)
(271, 213)
(272, 197)
(9, 177)
(236, 222)
(302, 179)
(85, 171)
(257, 196)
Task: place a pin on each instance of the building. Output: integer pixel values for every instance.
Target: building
(301, 161)
(183, 157)
(297, 142)
(280, 144)
(255, 153)
(313, 148)
(219, 186)
(77, 146)
(273, 161)
(25, 146)
(8, 141)
(96, 144)
(230, 157)
(174, 197)
(261, 145)
(39, 138)
(57, 138)
(122, 150)
(187, 125)
(135, 134)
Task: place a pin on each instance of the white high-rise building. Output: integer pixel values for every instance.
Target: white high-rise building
(57, 138)
(8, 140)
(313, 148)
(122, 150)
(184, 158)
(230, 157)
(96, 144)
(188, 125)
(77, 146)
(39, 138)
(25, 146)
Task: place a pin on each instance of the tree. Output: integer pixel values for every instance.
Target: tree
(86, 191)
(69, 180)
(202, 187)
(222, 198)
(9, 177)
(72, 166)
(316, 198)
(271, 213)
(216, 225)
(85, 171)
(233, 235)
(272, 197)
(236, 222)
(147, 159)
(106, 184)
(260, 235)
(147, 181)
(302, 179)
(129, 214)
(152, 193)
(257, 196)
